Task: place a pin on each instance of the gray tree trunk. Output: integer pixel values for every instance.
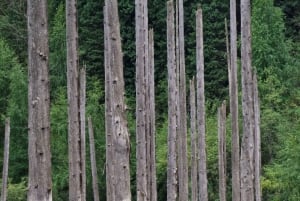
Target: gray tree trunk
(247, 149)
(93, 160)
(5, 161)
(222, 150)
(194, 157)
(142, 115)
(76, 185)
(235, 138)
(82, 100)
(172, 104)
(119, 139)
(39, 180)
(182, 134)
(203, 194)
(153, 188)
(257, 142)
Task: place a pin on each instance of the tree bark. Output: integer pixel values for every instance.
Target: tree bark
(5, 161)
(93, 160)
(141, 106)
(194, 157)
(257, 142)
(235, 138)
(39, 180)
(76, 191)
(247, 149)
(222, 150)
(82, 100)
(203, 195)
(172, 105)
(119, 178)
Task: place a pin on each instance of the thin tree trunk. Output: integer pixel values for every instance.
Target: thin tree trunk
(39, 180)
(93, 160)
(203, 194)
(5, 161)
(74, 129)
(120, 144)
(153, 191)
(222, 150)
(172, 102)
(141, 112)
(247, 149)
(257, 138)
(82, 129)
(194, 157)
(182, 134)
(233, 84)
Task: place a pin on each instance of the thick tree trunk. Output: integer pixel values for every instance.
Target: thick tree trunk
(76, 191)
(222, 150)
(203, 195)
(194, 157)
(119, 178)
(257, 142)
(182, 130)
(82, 100)
(172, 104)
(5, 161)
(39, 180)
(93, 160)
(233, 84)
(247, 149)
(141, 90)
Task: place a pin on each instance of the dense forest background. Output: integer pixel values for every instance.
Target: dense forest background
(276, 57)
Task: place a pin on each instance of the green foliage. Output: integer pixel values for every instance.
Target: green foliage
(18, 191)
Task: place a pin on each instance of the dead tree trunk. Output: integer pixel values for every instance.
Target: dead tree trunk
(76, 191)
(5, 161)
(194, 157)
(141, 106)
(203, 195)
(153, 188)
(93, 160)
(222, 150)
(257, 142)
(39, 183)
(119, 178)
(247, 149)
(233, 84)
(182, 134)
(82, 100)
(172, 104)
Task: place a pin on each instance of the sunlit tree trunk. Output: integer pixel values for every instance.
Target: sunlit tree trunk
(5, 161)
(39, 178)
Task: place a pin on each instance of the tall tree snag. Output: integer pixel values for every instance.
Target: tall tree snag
(5, 161)
(119, 178)
(222, 150)
(172, 104)
(194, 157)
(233, 84)
(203, 195)
(39, 180)
(247, 149)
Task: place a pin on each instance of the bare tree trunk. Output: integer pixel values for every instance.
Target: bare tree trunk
(172, 102)
(82, 93)
(203, 195)
(39, 183)
(118, 139)
(5, 161)
(247, 150)
(233, 84)
(222, 150)
(93, 160)
(257, 138)
(141, 106)
(76, 185)
(153, 189)
(182, 134)
(194, 157)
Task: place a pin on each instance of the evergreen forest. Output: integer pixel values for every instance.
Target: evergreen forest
(275, 58)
